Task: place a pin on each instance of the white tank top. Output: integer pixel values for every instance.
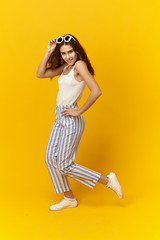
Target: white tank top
(70, 90)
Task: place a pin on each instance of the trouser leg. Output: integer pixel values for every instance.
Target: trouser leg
(70, 140)
(59, 181)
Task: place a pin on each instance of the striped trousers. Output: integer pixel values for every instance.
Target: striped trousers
(61, 151)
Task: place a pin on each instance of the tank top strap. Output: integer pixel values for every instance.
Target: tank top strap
(68, 66)
(65, 67)
(72, 70)
(72, 67)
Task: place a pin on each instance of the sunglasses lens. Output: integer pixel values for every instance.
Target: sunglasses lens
(59, 40)
(67, 38)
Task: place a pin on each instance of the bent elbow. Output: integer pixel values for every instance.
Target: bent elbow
(38, 76)
(99, 93)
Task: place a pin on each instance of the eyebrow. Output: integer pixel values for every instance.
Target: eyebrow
(68, 51)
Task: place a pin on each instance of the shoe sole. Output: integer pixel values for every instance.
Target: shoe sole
(63, 208)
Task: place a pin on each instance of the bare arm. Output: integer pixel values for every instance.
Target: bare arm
(42, 66)
(42, 72)
(81, 67)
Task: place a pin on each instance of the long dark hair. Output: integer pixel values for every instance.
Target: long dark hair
(55, 60)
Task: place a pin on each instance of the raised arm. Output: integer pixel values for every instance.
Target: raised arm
(42, 72)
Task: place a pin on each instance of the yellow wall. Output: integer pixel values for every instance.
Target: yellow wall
(122, 132)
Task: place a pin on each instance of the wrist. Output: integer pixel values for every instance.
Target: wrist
(49, 51)
(79, 112)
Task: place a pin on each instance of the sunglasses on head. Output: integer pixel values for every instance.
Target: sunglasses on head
(66, 38)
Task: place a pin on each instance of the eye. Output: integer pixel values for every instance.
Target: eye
(70, 51)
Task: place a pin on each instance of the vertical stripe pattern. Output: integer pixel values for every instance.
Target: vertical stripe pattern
(61, 151)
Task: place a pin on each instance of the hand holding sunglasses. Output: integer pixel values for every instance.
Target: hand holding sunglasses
(51, 45)
(53, 42)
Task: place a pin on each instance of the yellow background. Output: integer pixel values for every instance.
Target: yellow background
(122, 132)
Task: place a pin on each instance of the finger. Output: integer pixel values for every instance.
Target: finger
(64, 114)
(64, 111)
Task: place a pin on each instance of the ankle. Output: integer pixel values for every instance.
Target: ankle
(71, 197)
(108, 181)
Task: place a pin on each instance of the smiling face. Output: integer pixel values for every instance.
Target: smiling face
(68, 54)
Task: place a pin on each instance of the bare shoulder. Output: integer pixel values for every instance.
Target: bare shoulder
(80, 65)
(82, 68)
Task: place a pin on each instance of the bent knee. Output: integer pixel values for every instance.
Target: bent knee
(64, 169)
(50, 159)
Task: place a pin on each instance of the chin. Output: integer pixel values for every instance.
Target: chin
(72, 63)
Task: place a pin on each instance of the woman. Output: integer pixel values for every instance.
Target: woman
(66, 57)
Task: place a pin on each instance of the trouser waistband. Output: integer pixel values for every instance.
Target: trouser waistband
(66, 105)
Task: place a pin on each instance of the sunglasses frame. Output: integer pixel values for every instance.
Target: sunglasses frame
(63, 39)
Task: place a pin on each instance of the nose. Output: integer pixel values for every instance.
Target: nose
(68, 56)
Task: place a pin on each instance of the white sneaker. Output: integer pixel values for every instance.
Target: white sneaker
(64, 203)
(114, 184)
